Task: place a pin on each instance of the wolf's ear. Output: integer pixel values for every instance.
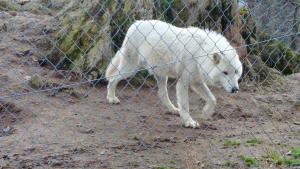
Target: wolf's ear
(217, 58)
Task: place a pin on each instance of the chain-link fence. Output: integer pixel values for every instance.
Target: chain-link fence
(149, 84)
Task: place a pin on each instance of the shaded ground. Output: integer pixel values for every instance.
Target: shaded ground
(76, 128)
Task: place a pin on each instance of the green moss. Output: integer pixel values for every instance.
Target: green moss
(89, 35)
(121, 19)
(213, 22)
(244, 11)
(181, 15)
(127, 7)
(68, 41)
(76, 40)
(226, 15)
(279, 56)
(165, 3)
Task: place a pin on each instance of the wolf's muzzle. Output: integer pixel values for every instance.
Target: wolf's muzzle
(234, 90)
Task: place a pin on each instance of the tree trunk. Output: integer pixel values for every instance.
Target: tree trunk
(91, 31)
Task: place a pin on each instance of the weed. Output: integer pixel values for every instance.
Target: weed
(169, 165)
(164, 167)
(231, 143)
(253, 142)
(291, 161)
(229, 164)
(249, 160)
(275, 157)
(294, 160)
(295, 152)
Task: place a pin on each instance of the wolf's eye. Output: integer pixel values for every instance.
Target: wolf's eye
(225, 73)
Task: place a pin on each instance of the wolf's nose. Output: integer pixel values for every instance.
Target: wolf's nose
(234, 90)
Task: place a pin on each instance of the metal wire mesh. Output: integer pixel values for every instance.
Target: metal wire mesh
(54, 102)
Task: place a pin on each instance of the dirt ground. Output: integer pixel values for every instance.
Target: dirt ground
(75, 128)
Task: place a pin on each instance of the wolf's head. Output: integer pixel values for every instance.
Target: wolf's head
(228, 70)
(224, 67)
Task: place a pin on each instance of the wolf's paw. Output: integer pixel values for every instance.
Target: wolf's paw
(113, 100)
(191, 124)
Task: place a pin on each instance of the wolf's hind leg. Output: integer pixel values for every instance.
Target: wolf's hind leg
(162, 83)
(124, 69)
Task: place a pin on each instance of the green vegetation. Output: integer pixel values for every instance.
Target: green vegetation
(277, 159)
(274, 157)
(168, 165)
(253, 142)
(163, 167)
(249, 160)
(229, 164)
(276, 54)
(294, 160)
(231, 143)
(291, 162)
(295, 152)
(8, 5)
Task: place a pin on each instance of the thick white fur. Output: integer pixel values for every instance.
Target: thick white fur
(193, 56)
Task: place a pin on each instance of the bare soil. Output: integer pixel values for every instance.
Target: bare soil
(74, 127)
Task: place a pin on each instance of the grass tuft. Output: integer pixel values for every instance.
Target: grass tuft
(231, 143)
(295, 152)
(291, 161)
(253, 142)
(229, 164)
(249, 160)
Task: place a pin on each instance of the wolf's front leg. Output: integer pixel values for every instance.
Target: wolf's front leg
(202, 90)
(182, 88)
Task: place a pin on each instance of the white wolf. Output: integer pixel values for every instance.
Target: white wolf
(193, 56)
